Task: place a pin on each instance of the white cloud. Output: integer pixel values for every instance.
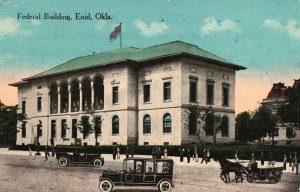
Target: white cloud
(36, 22)
(291, 29)
(212, 25)
(8, 26)
(153, 29)
(99, 26)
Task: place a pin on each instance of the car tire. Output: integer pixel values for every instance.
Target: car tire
(63, 161)
(252, 178)
(164, 186)
(97, 163)
(274, 176)
(105, 185)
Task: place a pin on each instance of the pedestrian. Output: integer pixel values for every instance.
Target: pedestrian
(114, 152)
(204, 158)
(296, 165)
(52, 151)
(208, 155)
(165, 153)
(236, 156)
(262, 158)
(29, 150)
(290, 159)
(196, 154)
(158, 153)
(46, 153)
(153, 152)
(131, 151)
(181, 153)
(127, 152)
(188, 155)
(52, 142)
(284, 161)
(118, 152)
(252, 163)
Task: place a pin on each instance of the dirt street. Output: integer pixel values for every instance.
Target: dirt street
(33, 174)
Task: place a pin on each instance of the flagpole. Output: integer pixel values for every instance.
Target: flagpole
(121, 35)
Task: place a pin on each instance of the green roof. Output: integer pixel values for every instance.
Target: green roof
(134, 54)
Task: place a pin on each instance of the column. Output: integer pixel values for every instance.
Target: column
(92, 94)
(69, 101)
(58, 99)
(80, 97)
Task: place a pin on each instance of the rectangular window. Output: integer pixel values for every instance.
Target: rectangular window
(63, 128)
(53, 128)
(23, 129)
(23, 107)
(39, 129)
(193, 91)
(147, 93)
(225, 96)
(146, 143)
(74, 128)
(115, 94)
(167, 91)
(210, 93)
(39, 103)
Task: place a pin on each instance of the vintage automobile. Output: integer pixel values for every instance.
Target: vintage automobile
(142, 172)
(77, 155)
(273, 174)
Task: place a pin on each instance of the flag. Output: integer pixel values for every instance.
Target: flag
(115, 33)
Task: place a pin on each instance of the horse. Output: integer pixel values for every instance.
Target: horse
(228, 166)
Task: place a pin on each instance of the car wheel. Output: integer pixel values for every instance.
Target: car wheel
(63, 161)
(97, 163)
(105, 186)
(274, 177)
(164, 186)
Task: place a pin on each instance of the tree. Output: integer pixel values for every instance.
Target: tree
(202, 118)
(243, 127)
(91, 123)
(8, 123)
(263, 123)
(291, 111)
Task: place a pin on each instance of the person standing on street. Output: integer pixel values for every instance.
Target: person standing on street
(196, 154)
(296, 163)
(165, 153)
(46, 153)
(290, 159)
(158, 153)
(181, 152)
(30, 151)
(284, 161)
(118, 152)
(262, 158)
(127, 152)
(131, 151)
(208, 155)
(114, 152)
(204, 158)
(236, 156)
(188, 155)
(154, 153)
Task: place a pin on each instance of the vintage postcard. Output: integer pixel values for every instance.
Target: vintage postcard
(162, 95)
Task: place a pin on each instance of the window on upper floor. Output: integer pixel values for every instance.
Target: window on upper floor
(147, 124)
(193, 91)
(210, 92)
(167, 91)
(53, 129)
(115, 94)
(146, 93)
(74, 128)
(39, 104)
(167, 123)
(225, 95)
(115, 125)
(23, 107)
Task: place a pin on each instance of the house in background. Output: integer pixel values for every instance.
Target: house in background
(142, 96)
(286, 132)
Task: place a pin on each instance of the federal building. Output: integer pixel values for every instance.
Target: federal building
(141, 95)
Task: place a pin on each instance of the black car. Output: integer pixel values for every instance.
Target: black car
(140, 171)
(77, 155)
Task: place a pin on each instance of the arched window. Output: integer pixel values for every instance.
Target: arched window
(115, 125)
(224, 126)
(167, 123)
(147, 124)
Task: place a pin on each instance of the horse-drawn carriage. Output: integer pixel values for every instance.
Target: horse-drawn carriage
(252, 172)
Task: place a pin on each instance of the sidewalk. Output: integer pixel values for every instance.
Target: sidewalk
(108, 157)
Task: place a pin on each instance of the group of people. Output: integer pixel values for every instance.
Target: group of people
(157, 152)
(195, 155)
(291, 159)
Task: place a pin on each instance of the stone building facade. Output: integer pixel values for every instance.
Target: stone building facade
(141, 96)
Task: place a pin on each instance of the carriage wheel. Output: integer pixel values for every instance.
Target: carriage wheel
(252, 177)
(274, 176)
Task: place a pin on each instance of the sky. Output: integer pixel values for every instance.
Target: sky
(263, 36)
